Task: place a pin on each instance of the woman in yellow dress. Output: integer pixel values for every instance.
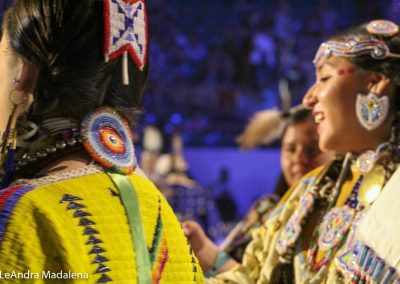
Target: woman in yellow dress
(310, 236)
(78, 209)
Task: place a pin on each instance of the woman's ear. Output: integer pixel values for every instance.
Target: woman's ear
(381, 84)
(28, 76)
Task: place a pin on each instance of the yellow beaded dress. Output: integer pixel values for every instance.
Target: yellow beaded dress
(71, 227)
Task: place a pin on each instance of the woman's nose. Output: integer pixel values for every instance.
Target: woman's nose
(310, 98)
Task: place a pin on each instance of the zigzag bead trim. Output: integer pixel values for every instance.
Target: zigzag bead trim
(85, 221)
(100, 259)
(74, 205)
(194, 269)
(69, 198)
(93, 240)
(88, 230)
(80, 213)
(104, 279)
(102, 268)
(96, 250)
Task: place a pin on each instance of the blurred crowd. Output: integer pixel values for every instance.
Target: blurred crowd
(214, 63)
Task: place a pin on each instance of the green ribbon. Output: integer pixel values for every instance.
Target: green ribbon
(131, 203)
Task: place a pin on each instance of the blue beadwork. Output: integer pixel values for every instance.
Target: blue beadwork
(352, 201)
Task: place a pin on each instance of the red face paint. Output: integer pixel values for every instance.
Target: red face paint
(341, 72)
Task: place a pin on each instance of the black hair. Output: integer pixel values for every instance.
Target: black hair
(65, 39)
(388, 66)
(296, 116)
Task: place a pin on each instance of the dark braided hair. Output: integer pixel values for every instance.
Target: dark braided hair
(65, 41)
(389, 67)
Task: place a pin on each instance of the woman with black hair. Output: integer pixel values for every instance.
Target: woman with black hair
(78, 208)
(310, 237)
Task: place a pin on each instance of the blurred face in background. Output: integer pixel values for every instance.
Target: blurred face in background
(300, 152)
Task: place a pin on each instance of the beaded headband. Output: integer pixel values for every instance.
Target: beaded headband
(125, 28)
(358, 46)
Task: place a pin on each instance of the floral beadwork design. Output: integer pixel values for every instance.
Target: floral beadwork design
(335, 226)
(293, 228)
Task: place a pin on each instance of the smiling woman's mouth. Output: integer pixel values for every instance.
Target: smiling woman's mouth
(318, 116)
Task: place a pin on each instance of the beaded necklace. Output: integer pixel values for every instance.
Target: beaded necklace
(49, 148)
(334, 224)
(325, 190)
(333, 229)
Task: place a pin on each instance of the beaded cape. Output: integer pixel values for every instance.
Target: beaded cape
(78, 225)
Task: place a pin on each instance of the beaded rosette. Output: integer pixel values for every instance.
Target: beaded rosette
(335, 226)
(293, 228)
(345, 257)
(108, 140)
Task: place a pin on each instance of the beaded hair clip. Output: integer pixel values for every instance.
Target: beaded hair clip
(357, 46)
(125, 26)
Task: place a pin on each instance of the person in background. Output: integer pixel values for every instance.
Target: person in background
(78, 209)
(223, 198)
(299, 155)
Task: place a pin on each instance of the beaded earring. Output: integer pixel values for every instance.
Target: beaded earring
(371, 110)
(9, 138)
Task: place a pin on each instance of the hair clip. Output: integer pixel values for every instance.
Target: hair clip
(382, 28)
(125, 32)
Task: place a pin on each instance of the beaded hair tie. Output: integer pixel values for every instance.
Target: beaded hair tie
(125, 31)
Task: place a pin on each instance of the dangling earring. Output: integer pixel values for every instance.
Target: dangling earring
(371, 110)
(9, 138)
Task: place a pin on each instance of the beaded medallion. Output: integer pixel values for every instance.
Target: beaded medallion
(108, 139)
(335, 226)
(346, 255)
(382, 28)
(293, 228)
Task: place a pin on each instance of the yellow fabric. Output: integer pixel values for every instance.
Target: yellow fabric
(343, 195)
(261, 256)
(42, 235)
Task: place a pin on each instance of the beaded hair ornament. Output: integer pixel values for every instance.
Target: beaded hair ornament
(371, 109)
(106, 135)
(358, 46)
(125, 26)
(108, 140)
